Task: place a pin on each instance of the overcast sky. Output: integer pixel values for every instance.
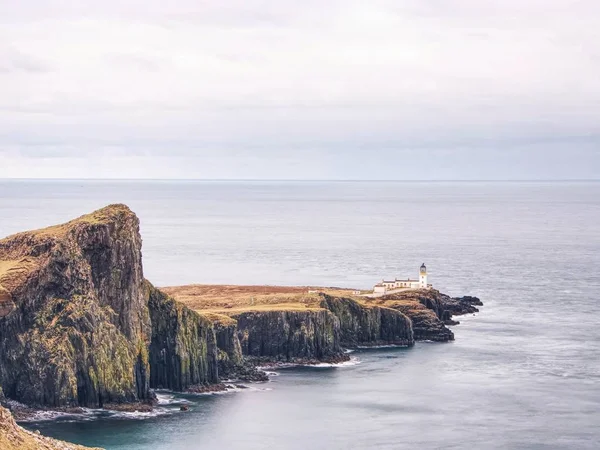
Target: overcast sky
(400, 89)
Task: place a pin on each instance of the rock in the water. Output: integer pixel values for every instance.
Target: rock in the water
(461, 305)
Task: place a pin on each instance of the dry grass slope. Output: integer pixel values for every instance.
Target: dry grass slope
(225, 300)
(13, 437)
(18, 252)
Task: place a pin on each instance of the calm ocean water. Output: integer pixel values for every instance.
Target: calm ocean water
(522, 374)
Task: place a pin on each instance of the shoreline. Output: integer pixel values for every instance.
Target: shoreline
(110, 338)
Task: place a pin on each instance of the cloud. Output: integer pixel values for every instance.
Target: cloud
(259, 77)
(13, 61)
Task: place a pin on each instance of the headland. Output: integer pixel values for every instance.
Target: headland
(80, 326)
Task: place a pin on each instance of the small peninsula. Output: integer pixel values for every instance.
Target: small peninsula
(80, 326)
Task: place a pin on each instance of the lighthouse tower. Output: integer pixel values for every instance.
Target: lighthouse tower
(423, 277)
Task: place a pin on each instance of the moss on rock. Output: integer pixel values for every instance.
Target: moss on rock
(183, 347)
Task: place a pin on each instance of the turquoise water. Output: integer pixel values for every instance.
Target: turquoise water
(524, 373)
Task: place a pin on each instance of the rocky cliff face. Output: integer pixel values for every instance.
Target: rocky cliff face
(426, 311)
(183, 348)
(366, 325)
(460, 305)
(320, 333)
(74, 324)
(289, 335)
(229, 350)
(79, 325)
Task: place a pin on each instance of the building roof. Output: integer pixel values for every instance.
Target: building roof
(408, 280)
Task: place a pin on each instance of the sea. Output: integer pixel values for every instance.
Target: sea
(523, 373)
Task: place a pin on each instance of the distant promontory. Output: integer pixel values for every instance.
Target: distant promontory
(80, 326)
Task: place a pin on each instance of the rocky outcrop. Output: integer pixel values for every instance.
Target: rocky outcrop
(426, 325)
(290, 335)
(13, 437)
(368, 325)
(6, 303)
(425, 309)
(183, 348)
(229, 351)
(430, 311)
(78, 328)
(320, 333)
(79, 325)
(457, 306)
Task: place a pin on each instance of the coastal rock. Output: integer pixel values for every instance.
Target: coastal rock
(183, 348)
(77, 333)
(460, 305)
(6, 303)
(289, 335)
(425, 309)
(13, 437)
(369, 325)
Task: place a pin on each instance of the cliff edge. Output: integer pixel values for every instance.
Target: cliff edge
(74, 324)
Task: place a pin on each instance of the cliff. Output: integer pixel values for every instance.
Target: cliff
(183, 348)
(460, 305)
(289, 335)
(367, 325)
(229, 350)
(79, 325)
(364, 321)
(13, 437)
(295, 324)
(73, 320)
(426, 310)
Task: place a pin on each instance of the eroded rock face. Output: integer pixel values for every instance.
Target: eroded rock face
(425, 309)
(365, 325)
(289, 335)
(6, 303)
(229, 349)
(460, 305)
(77, 334)
(183, 348)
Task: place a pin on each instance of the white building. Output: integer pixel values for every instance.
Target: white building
(386, 286)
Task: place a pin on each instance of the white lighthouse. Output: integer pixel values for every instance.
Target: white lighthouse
(423, 277)
(391, 286)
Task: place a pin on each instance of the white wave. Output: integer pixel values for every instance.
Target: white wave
(165, 398)
(352, 362)
(141, 414)
(230, 388)
(49, 415)
(375, 347)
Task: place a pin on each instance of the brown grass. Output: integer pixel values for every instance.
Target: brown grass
(231, 299)
(103, 215)
(14, 272)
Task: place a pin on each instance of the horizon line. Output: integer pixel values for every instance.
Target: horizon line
(455, 180)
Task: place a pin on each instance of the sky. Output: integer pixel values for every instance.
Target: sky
(244, 89)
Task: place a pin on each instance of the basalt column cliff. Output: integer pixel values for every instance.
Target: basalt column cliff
(75, 318)
(80, 326)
